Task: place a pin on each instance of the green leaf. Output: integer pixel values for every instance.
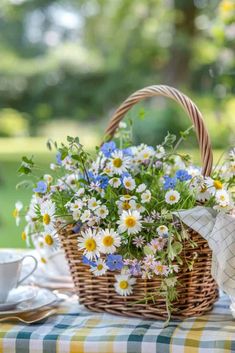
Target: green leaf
(148, 251)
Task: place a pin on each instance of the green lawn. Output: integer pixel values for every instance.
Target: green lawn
(10, 156)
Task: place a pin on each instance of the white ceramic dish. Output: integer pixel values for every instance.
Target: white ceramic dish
(18, 296)
(44, 297)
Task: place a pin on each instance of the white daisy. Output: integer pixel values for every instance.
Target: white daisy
(102, 211)
(47, 210)
(139, 207)
(76, 205)
(146, 196)
(16, 212)
(93, 203)
(109, 240)
(86, 216)
(126, 205)
(141, 188)
(48, 178)
(160, 151)
(129, 183)
(123, 285)
(119, 163)
(80, 192)
(162, 230)
(100, 268)
(76, 215)
(108, 170)
(127, 197)
(172, 197)
(146, 153)
(222, 197)
(51, 241)
(115, 182)
(130, 222)
(213, 185)
(71, 180)
(88, 243)
(203, 194)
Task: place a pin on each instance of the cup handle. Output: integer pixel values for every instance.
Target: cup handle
(32, 271)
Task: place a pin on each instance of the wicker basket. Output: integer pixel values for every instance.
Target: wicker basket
(197, 290)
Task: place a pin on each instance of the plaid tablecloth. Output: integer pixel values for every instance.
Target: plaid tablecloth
(76, 330)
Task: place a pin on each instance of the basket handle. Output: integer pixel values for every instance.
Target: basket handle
(186, 103)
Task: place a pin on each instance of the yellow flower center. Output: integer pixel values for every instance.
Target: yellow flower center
(130, 221)
(100, 267)
(159, 268)
(41, 244)
(203, 189)
(217, 184)
(222, 197)
(15, 213)
(172, 198)
(146, 155)
(43, 260)
(127, 197)
(162, 228)
(90, 244)
(126, 205)
(46, 219)
(49, 240)
(94, 204)
(108, 240)
(102, 211)
(123, 284)
(128, 184)
(23, 236)
(117, 162)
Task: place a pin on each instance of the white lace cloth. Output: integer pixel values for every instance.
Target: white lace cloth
(219, 230)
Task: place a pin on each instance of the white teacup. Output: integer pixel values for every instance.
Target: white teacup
(10, 270)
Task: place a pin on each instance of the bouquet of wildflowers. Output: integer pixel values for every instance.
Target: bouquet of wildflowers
(123, 200)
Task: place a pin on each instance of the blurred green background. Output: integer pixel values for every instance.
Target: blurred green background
(65, 66)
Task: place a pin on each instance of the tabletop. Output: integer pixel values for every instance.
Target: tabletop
(74, 329)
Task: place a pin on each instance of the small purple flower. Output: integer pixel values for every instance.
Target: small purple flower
(158, 164)
(115, 262)
(183, 175)
(169, 183)
(86, 261)
(58, 158)
(77, 227)
(108, 148)
(135, 269)
(41, 187)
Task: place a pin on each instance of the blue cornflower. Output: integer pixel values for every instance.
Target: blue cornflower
(169, 183)
(108, 148)
(58, 158)
(103, 181)
(183, 175)
(41, 187)
(114, 262)
(127, 152)
(77, 227)
(86, 261)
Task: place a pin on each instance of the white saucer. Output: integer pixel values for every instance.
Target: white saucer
(17, 296)
(44, 297)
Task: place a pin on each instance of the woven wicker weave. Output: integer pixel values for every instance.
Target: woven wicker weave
(197, 291)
